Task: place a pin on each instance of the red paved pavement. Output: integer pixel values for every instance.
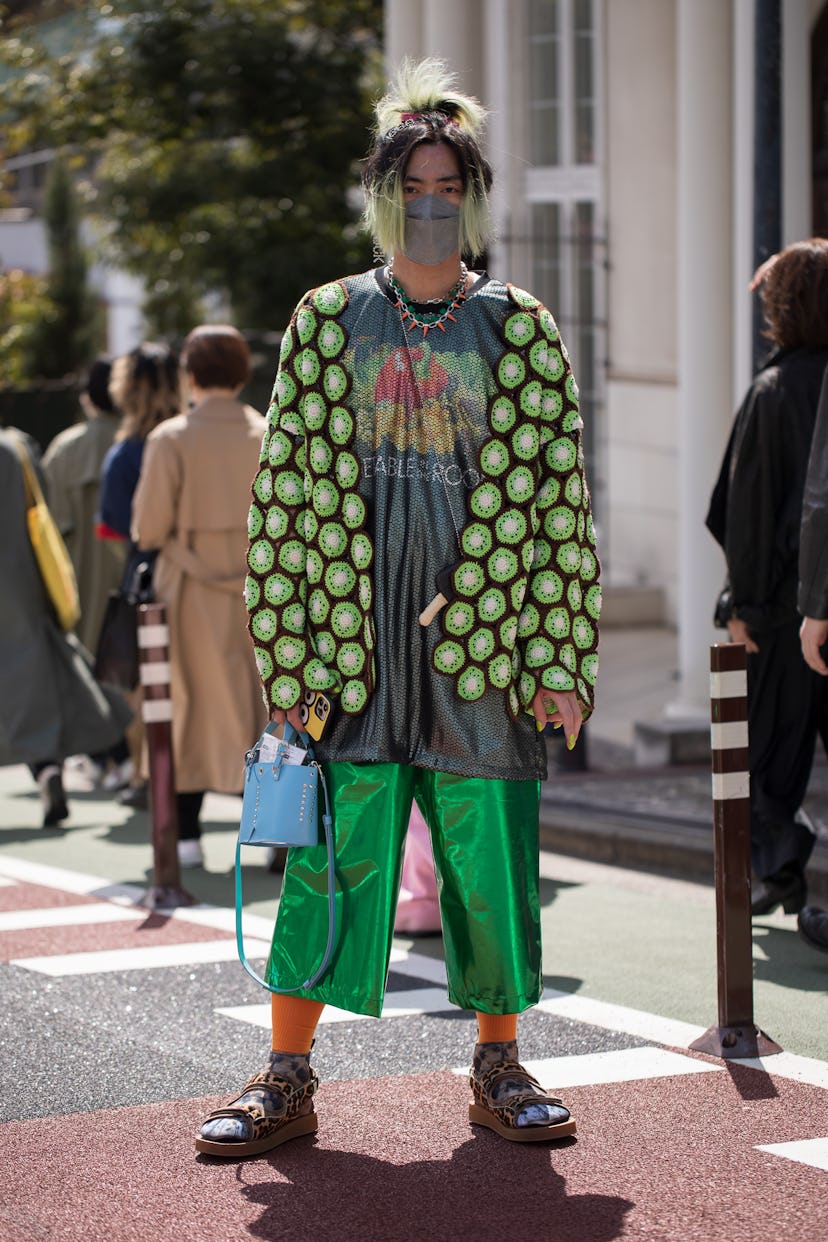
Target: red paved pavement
(662, 1160)
(671, 1160)
(145, 931)
(20, 896)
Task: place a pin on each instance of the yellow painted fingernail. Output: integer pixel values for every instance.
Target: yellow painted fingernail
(571, 741)
(559, 725)
(540, 726)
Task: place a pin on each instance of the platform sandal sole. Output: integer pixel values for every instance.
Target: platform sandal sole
(480, 1116)
(308, 1124)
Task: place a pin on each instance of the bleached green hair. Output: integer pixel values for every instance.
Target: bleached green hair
(423, 104)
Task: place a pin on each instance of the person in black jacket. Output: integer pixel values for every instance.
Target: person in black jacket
(813, 601)
(755, 515)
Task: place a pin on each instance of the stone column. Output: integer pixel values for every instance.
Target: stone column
(403, 31)
(796, 121)
(705, 233)
(453, 30)
(497, 64)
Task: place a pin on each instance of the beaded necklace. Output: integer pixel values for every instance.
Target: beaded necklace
(426, 320)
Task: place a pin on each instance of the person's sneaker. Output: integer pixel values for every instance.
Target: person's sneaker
(82, 773)
(52, 796)
(118, 776)
(190, 854)
(136, 796)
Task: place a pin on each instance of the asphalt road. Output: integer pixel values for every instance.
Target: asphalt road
(122, 1027)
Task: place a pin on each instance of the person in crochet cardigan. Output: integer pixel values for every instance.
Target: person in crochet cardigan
(422, 552)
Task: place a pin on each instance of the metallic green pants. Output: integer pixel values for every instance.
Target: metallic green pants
(484, 834)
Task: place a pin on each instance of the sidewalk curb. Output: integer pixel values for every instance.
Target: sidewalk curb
(677, 848)
(623, 840)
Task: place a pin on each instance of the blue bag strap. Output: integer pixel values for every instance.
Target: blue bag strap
(323, 966)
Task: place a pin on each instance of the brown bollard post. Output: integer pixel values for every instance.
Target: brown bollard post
(736, 1034)
(156, 712)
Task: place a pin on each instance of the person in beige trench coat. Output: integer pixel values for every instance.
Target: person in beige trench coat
(191, 504)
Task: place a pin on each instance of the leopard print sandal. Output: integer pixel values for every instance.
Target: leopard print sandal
(265, 1126)
(503, 1090)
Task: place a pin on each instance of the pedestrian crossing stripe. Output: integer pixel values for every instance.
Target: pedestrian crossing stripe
(67, 916)
(258, 931)
(414, 1002)
(619, 1018)
(105, 961)
(813, 1152)
(593, 1069)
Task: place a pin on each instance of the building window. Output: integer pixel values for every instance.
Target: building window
(568, 262)
(544, 102)
(566, 249)
(583, 56)
(561, 82)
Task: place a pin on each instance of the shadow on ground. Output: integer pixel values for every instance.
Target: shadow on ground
(787, 961)
(490, 1187)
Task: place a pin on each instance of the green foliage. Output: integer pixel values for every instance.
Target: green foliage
(49, 326)
(224, 136)
(63, 339)
(24, 303)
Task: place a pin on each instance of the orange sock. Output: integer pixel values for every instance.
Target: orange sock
(496, 1028)
(294, 1022)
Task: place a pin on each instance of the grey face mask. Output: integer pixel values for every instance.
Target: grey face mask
(432, 230)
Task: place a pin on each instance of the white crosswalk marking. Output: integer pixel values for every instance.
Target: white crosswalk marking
(199, 952)
(412, 1002)
(806, 1151)
(619, 1018)
(117, 902)
(67, 916)
(617, 1065)
(791, 1065)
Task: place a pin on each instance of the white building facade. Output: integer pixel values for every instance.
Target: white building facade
(621, 137)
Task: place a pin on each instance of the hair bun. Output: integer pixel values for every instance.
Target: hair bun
(427, 87)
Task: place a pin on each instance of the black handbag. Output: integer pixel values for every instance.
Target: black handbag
(116, 653)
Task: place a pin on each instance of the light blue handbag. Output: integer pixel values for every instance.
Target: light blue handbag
(279, 807)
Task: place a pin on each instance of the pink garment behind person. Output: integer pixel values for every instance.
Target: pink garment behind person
(418, 909)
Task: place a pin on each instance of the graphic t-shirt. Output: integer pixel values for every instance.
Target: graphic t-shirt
(421, 417)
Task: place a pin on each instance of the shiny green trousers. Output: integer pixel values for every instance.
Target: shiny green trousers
(484, 835)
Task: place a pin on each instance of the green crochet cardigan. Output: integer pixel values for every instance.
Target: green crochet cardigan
(526, 597)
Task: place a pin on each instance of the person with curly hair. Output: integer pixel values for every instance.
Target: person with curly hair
(755, 515)
(422, 552)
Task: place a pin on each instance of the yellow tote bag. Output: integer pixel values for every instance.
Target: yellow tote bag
(48, 546)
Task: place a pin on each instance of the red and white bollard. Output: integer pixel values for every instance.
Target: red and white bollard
(736, 1035)
(156, 712)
